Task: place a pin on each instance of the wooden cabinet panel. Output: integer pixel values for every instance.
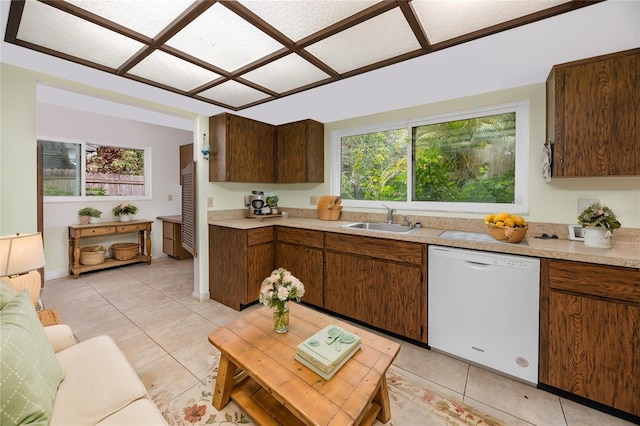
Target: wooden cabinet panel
(242, 150)
(306, 263)
(399, 251)
(259, 267)
(300, 152)
(346, 281)
(386, 295)
(593, 116)
(301, 252)
(596, 280)
(590, 332)
(378, 281)
(227, 265)
(304, 237)
(236, 267)
(593, 347)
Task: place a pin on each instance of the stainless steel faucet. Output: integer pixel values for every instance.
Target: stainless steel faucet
(390, 213)
(408, 220)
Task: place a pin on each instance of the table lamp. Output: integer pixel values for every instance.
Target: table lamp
(21, 256)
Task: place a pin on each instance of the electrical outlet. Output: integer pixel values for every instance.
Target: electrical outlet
(210, 202)
(170, 197)
(313, 201)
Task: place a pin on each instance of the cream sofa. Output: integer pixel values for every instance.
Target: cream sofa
(48, 378)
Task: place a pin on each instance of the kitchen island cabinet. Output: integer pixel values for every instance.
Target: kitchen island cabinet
(590, 332)
(301, 252)
(593, 116)
(239, 260)
(377, 281)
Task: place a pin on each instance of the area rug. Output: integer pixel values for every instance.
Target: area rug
(411, 404)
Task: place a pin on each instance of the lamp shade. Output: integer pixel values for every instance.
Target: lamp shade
(21, 253)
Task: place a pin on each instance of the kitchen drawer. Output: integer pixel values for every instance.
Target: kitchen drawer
(597, 280)
(379, 248)
(260, 236)
(302, 237)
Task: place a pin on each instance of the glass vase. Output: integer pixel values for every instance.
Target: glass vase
(281, 319)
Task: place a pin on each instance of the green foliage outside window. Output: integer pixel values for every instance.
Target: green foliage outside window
(470, 160)
(374, 166)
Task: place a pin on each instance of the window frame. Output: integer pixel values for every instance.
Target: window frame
(83, 170)
(522, 158)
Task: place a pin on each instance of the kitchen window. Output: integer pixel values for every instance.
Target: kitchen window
(475, 161)
(82, 169)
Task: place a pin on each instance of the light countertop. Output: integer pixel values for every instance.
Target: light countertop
(622, 253)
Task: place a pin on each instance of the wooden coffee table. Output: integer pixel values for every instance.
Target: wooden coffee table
(259, 372)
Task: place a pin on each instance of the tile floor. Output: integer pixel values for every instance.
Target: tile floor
(150, 313)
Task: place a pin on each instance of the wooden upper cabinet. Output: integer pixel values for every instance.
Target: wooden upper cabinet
(242, 150)
(593, 116)
(245, 150)
(300, 152)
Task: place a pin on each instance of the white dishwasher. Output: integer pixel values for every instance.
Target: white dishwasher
(483, 307)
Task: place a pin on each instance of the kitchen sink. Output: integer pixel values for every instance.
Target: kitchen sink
(382, 227)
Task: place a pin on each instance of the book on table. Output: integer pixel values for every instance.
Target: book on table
(328, 350)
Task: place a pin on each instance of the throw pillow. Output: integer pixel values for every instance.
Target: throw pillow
(7, 292)
(29, 370)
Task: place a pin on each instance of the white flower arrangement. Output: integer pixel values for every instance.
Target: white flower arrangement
(280, 287)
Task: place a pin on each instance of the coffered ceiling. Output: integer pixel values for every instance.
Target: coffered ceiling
(241, 53)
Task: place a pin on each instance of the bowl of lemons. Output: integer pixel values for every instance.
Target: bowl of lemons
(506, 227)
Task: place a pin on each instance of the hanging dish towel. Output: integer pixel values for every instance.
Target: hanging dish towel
(546, 161)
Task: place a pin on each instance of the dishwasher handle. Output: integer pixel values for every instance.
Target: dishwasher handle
(477, 265)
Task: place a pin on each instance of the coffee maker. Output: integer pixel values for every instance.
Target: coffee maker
(255, 202)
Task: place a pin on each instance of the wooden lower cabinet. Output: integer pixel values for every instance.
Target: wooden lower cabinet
(380, 282)
(377, 281)
(590, 332)
(239, 260)
(171, 240)
(301, 251)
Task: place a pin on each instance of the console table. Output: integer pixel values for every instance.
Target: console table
(78, 232)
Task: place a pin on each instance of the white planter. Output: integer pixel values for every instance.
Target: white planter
(94, 219)
(125, 217)
(596, 236)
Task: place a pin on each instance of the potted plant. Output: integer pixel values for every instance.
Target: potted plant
(89, 215)
(598, 222)
(125, 211)
(272, 202)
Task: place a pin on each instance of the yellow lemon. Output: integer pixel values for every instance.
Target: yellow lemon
(500, 224)
(489, 218)
(508, 222)
(518, 220)
(502, 216)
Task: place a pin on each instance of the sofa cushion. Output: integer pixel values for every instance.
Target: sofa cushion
(140, 413)
(7, 292)
(29, 370)
(98, 382)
